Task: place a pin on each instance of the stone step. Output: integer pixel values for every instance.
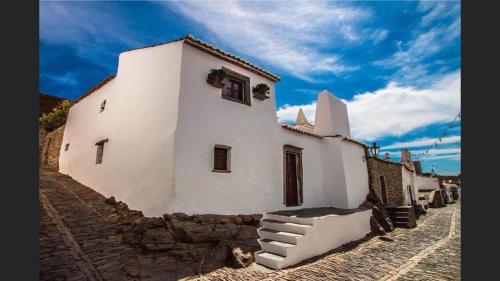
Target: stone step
(275, 247)
(285, 226)
(292, 219)
(282, 236)
(269, 259)
(403, 224)
(400, 219)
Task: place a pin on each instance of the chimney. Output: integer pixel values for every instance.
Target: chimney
(301, 118)
(418, 167)
(331, 116)
(405, 156)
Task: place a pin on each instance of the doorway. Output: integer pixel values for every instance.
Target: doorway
(292, 164)
(383, 190)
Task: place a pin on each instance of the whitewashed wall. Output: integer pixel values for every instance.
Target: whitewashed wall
(139, 120)
(331, 116)
(356, 173)
(334, 180)
(409, 179)
(423, 182)
(163, 119)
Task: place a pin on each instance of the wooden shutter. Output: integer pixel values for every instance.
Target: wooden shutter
(220, 158)
(100, 150)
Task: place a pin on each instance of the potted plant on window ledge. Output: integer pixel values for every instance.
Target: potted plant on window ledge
(261, 91)
(216, 77)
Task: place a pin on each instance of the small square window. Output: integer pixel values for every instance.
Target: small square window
(222, 159)
(66, 147)
(103, 105)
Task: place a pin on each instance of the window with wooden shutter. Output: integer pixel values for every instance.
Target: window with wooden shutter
(236, 87)
(222, 159)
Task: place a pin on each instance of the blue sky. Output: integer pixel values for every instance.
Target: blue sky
(395, 63)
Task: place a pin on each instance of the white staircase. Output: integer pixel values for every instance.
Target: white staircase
(287, 240)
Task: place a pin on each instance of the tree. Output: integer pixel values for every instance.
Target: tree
(56, 118)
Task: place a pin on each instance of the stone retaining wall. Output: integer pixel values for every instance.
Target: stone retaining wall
(207, 242)
(49, 147)
(393, 181)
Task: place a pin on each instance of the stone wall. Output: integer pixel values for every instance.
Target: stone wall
(393, 180)
(49, 147)
(206, 242)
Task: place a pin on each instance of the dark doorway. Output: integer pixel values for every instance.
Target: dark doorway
(383, 190)
(292, 176)
(411, 196)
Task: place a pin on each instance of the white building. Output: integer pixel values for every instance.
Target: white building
(161, 138)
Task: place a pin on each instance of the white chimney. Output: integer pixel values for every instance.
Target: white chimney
(331, 116)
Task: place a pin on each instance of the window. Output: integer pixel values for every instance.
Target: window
(66, 147)
(100, 151)
(236, 87)
(222, 159)
(103, 105)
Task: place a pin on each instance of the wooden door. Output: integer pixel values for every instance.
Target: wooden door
(291, 179)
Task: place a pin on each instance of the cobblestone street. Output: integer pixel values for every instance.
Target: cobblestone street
(79, 241)
(431, 251)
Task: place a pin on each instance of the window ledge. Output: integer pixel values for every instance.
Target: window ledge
(221, 171)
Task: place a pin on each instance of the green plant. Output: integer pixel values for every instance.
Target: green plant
(56, 118)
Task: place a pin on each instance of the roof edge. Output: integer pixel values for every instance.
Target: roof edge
(218, 53)
(94, 88)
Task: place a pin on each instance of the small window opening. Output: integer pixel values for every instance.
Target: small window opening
(222, 159)
(100, 151)
(103, 105)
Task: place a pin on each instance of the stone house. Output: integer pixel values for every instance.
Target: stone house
(186, 127)
(393, 182)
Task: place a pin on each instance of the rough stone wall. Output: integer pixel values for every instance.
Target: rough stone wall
(122, 244)
(49, 147)
(206, 242)
(393, 181)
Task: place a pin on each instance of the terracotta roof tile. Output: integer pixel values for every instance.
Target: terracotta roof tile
(219, 53)
(95, 88)
(203, 46)
(295, 129)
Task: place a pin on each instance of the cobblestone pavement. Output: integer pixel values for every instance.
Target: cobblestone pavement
(91, 250)
(431, 251)
(79, 241)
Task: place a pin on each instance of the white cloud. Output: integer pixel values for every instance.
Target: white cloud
(394, 110)
(438, 10)
(450, 157)
(424, 45)
(90, 29)
(292, 35)
(289, 113)
(436, 151)
(422, 142)
(415, 58)
(433, 154)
